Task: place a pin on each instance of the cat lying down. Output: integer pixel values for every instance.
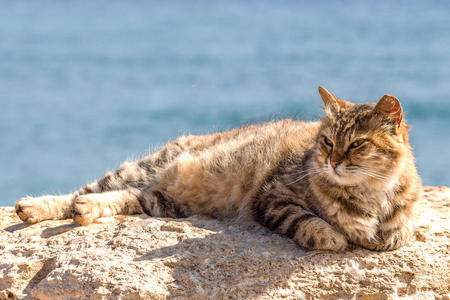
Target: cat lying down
(347, 179)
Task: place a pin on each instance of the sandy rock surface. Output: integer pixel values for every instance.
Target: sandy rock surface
(138, 257)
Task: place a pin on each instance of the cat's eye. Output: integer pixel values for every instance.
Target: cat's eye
(327, 141)
(356, 144)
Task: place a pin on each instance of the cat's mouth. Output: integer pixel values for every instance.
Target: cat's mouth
(336, 172)
(341, 176)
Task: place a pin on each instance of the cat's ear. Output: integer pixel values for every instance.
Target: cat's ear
(390, 107)
(330, 100)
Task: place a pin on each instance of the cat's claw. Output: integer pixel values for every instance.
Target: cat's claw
(28, 212)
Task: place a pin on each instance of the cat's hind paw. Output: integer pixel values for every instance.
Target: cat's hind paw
(29, 211)
(83, 210)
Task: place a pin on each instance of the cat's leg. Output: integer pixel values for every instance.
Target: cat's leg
(36, 209)
(33, 210)
(49, 207)
(137, 174)
(283, 212)
(140, 173)
(87, 208)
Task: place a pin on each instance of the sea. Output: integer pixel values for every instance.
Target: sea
(85, 85)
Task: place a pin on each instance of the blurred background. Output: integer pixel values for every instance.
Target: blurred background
(85, 85)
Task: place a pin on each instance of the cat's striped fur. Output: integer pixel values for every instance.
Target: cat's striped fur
(347, 178)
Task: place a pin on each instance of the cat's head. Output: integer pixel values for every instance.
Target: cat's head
(360, 142)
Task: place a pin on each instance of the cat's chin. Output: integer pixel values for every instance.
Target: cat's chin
(342, 179)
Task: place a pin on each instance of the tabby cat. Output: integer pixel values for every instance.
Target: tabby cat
(347, 179)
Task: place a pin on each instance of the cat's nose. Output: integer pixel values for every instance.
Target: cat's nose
(334, 164)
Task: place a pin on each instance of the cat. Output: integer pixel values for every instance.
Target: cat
(348, 179)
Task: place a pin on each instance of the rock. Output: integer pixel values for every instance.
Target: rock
(135, 257)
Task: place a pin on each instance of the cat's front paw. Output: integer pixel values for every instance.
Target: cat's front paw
(84, 210)
(333, 241)
(29, 210)
(389, 241)
(324, 239)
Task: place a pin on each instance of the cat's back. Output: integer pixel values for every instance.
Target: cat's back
(263, 145)
(283, 135)
(256, 141)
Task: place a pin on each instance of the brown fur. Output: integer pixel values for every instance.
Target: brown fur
(348, 178)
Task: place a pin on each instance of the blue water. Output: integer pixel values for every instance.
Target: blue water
(85, 85)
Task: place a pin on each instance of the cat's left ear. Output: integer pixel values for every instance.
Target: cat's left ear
(331, 101)
(390, 107)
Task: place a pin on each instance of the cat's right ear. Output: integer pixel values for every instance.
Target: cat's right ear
(390, 107)
(331, 101)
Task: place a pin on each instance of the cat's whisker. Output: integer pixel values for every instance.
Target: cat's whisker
(308, 170)
(306, 175)
(297, 180)
(366, 171)
(373, 175)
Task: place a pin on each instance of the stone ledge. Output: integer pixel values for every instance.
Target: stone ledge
(138, 257)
